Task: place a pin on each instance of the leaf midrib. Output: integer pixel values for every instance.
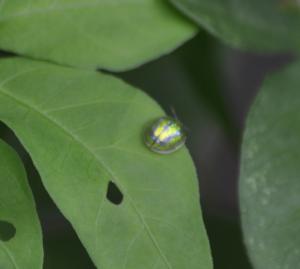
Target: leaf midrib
(96, 157)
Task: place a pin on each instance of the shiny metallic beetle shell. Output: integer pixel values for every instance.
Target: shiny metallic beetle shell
(165, 135)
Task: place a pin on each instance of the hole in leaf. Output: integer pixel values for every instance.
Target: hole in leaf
(114, 194)
(7, 231)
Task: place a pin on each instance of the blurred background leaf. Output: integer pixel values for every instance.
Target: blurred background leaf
(269, 185)
(267, 25)
(109, 34)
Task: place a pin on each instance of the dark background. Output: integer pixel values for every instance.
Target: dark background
(211, 88)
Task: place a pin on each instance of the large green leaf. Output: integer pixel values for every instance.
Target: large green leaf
(84, 129)
(20, 232)
(250, 24)
(110, 34)
(270, 173)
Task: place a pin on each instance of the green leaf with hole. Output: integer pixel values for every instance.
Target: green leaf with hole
(20, 231)
(84, 130)
(109, 34)
(270, 172)
(249, 24)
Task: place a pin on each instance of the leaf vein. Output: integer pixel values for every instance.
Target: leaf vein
(49, 111)
(130, 245)
(11, 257)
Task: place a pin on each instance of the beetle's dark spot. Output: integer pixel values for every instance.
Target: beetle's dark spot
(7, 231)
(114, 194)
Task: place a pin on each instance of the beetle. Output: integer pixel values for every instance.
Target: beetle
(165, 135)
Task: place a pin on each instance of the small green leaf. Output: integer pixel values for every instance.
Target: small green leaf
(110, 34)
(84, 131)
(20, 231)
(270, 173)
(248, 24)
